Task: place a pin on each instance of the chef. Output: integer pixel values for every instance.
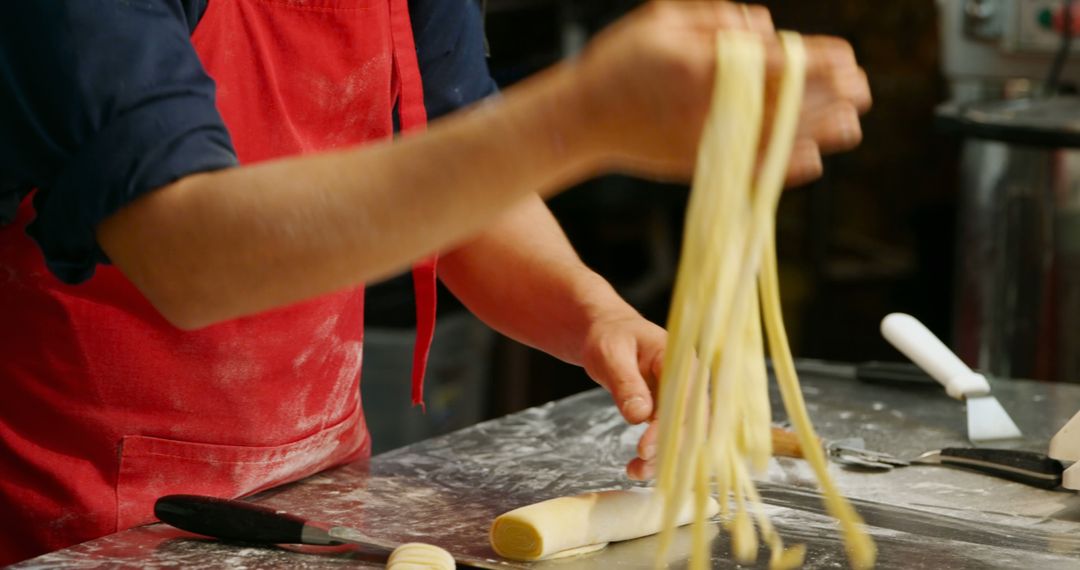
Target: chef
(193, 193)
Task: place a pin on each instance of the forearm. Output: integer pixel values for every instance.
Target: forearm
(524, 279)
(229, 243)
(219, 245)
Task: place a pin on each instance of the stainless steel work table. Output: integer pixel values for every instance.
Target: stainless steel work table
(448, 489)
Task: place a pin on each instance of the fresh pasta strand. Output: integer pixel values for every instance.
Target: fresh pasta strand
(714, 407)
(860, 548)
(715, 231)
(681, 365)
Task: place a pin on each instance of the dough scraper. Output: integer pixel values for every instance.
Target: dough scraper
(987, 420)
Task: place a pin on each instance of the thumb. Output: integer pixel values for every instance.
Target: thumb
(614, 365)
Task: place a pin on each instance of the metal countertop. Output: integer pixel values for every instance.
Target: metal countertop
(447, 490)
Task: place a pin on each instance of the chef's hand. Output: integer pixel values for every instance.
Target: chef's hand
(646, 83)
(624, 354)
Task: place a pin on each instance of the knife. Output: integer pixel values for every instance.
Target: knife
(1027, 467)
(247, 522)
(901, 374)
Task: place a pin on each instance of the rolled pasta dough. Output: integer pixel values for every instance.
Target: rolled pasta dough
(568, 526)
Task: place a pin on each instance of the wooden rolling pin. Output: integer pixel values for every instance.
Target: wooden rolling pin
(785, 443)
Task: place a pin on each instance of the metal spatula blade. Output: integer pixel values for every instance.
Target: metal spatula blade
(988, 421)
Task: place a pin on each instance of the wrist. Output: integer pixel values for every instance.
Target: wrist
(578, 121)
(601, 307)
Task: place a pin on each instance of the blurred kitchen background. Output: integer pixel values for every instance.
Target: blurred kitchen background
(959, 215)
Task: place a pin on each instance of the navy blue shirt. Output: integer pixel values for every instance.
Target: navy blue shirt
(104, 100)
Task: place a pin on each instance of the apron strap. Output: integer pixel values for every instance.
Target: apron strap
(413, 115)
(424, 279)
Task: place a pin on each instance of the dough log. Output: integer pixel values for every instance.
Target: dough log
(582, 523)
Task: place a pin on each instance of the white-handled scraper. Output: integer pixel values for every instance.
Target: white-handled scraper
(987, 421)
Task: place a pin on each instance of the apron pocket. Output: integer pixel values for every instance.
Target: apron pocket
(151, 467)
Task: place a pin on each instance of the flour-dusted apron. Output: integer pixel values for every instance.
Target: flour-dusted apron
(104, 406)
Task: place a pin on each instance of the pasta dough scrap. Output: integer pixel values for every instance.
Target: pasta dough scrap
(714, 407)
(420, 556)
(583, 523)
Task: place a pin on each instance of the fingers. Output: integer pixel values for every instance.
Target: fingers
(750, 17)
(858, 85)
(646, 447)
(836, 93)
(640, 470)
(615, 367)
(805, 164)
(836, 128)
(828, 56)
(710, 16)
(656, 366)
(643, 466)
(832, 73)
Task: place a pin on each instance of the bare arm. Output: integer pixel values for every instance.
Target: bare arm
(233, 242)
(224, 244)
(524, 279)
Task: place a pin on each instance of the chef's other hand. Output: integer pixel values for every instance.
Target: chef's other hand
(624, 354)
(646, 82)
(643, 466)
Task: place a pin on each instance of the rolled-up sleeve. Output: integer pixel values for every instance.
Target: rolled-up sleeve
(107, 100)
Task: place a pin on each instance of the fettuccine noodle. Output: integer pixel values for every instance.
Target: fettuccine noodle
(714, 404)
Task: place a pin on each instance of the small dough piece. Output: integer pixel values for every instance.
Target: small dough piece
(420, 556)
(551, 528)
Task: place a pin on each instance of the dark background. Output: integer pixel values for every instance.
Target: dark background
(874, 235)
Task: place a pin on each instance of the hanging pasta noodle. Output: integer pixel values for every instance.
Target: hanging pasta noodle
(714, 403)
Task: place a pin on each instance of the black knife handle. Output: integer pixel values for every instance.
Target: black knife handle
(1025, 467)
(230, 520)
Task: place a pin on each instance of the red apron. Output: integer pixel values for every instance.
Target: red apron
(105, 406)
